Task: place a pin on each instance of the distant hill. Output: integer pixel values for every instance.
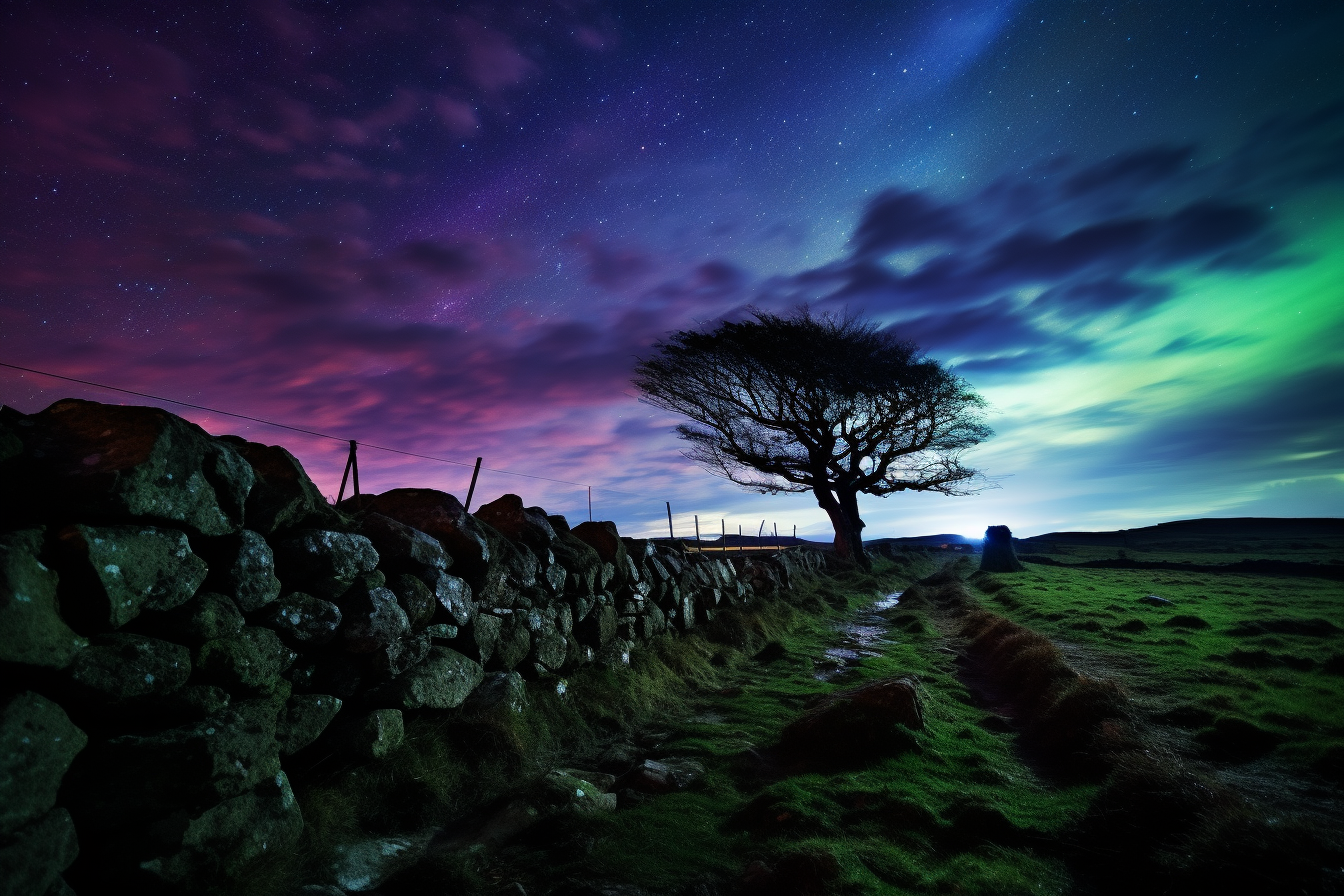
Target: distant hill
(923, 541)
(1326, 531)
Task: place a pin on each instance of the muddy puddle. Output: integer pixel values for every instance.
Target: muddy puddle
(860, 637)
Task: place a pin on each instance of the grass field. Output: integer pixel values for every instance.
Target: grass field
(1213, 760)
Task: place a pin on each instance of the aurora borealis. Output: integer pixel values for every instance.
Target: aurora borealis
(451, 229)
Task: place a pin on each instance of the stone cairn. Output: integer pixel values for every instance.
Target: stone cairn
(182, 615)
(999, 554)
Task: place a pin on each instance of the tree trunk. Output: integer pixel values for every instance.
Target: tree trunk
(848, 527)
(849, 503)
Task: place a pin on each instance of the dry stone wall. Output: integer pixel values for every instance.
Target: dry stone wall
(183, 617)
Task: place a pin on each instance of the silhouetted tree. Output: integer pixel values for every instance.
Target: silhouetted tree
(826, 404)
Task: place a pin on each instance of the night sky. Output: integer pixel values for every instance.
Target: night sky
(452, 229)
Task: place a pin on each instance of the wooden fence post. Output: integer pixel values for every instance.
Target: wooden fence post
(472, 490)
(670, 534)
(351, 465)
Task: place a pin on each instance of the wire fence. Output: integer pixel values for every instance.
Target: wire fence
(685, 531)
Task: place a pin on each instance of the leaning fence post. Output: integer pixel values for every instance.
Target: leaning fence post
(472, 490)
(697, 532)
(670, 535)
(590, 503)
(739, 537)
(776, 525)
(723, 535)
(351, 463)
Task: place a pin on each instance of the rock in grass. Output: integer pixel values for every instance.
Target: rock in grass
(443, 680)
(31, 628)
(37, 744)
(228, 837)
(303, 619)
(32, 860)
(120, 667)
(498, 689)
(303, 720)
(109, 574)
(999, 554)
(366, 864)
(562, 791)
(855, 726)
(660, 776)
(377, 734)
(112, 463)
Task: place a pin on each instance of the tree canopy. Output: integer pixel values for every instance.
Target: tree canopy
(828, 404)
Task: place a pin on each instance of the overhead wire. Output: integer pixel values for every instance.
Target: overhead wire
(310, 432)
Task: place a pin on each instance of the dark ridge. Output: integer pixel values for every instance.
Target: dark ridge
(1250, 567)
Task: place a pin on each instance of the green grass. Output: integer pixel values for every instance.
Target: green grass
(961, 813)
(1202, 658)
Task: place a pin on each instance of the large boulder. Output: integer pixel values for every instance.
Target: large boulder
(443, 680)
(416, 598)
(522, 525)
(117, 464)
(323, 562)
(303, 720)
(283, 498)
(479, 639)
(373, 619)
(441, 516)
(999, 554)
(228, 837)
(581, 563)
(454, 596)
(248, 662)
(403, 549)
(122, 668)
(602, 537)
(138, 778)
(109, 574)
(515, 642)
(37, 744)
(31, 628)
(376, 734)
(242, 566)
(304, 620)
(33, 858)
(853, 727)
(205, 617)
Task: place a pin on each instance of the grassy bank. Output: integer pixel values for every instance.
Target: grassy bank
(966, 805)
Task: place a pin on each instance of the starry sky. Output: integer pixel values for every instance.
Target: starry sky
(451, 229)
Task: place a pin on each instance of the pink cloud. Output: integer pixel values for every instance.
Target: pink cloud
(490, 58)
(459, 117)
(99, 100)
(333, 166)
